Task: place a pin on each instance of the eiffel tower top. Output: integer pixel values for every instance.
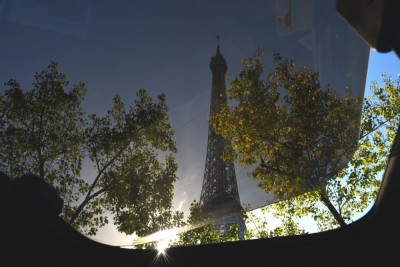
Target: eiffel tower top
(218, 63)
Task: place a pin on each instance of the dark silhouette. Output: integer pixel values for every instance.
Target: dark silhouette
(29, 197)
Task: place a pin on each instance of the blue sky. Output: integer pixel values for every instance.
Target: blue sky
(380, 63)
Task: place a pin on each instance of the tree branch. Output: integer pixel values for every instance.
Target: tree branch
(325, 200)
(89, 195)
(266, 166)
(83, 204)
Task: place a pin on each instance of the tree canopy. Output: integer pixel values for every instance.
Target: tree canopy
(298, 135)
(355, 188)
(130, 152)
(295, 133)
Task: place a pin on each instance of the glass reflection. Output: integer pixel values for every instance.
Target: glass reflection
(137, 158)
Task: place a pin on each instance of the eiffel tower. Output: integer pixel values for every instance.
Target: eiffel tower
(219, 194)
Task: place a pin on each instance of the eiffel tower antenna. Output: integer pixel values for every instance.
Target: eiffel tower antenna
(218, 45)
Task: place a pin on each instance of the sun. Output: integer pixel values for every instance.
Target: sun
(162, 246)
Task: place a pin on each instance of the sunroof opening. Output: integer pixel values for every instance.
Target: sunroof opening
(179, 120)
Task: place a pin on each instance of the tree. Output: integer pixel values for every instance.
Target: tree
(131, 151)
(356, 187)
(41, 131)
(295, 133)
(298, 135)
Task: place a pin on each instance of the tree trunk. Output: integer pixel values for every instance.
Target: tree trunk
(332, 209)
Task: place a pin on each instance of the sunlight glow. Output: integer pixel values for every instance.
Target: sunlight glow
(162, 258)
(128, 247)
(165, 235)
(162, 245)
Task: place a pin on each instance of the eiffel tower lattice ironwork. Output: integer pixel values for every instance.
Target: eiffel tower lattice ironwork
(220, 195)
